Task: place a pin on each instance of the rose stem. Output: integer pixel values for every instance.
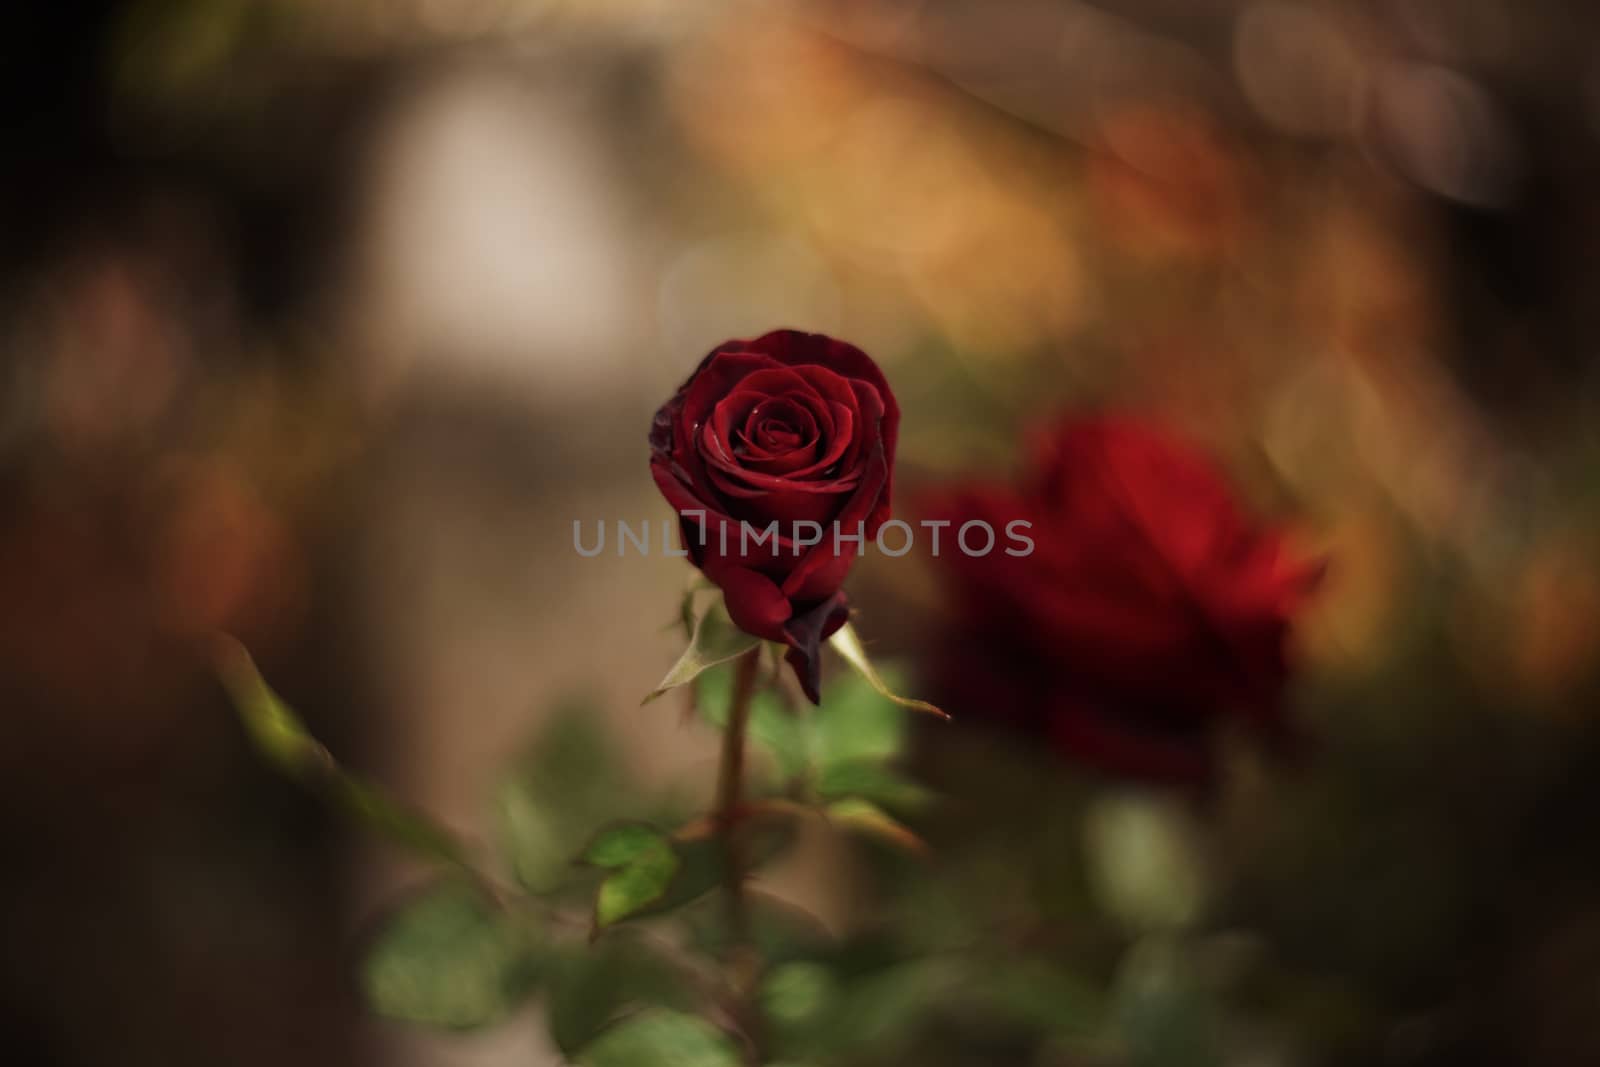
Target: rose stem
(730, 791)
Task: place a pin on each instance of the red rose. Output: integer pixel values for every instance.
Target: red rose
(1149, 608)
(791, 427)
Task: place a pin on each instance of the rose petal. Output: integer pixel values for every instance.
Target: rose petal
(726, 472)
(682, 497)
(794, 347)
(719, 375)
(785, 409)
(785, 437)
(755, 603)
(683, 414)
(839, 447)
(731, 409)
(872, 413)
(823, 569)
(799, 502)
(784, 465)
(827, 384)
(779, 381)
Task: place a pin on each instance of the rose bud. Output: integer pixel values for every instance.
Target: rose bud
(790, 428)
(1149, 609)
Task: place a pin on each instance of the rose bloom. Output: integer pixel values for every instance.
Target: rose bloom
(789, 427)
(1150, 608)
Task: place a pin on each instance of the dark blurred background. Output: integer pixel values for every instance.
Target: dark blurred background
(323, 321)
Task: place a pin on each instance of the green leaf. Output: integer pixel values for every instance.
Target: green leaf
(796, 993)
(865, 817)
(659, 1038)
(699, 871)
(856, 725)
(272, 725)
(653, 873)
(448, 957)
(537, 843)
(840, 745)
(1143, 863)
(766, 837)
(774, 729)
(779, 930)
(875, 782)
(886, 1005)
(848, 644)
(401, 825)
(618, 846)
(716, 640)
(643, 866)
(547, 806)
(282, 738)
(588, 987)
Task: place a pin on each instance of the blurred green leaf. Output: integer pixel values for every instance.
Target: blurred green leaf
(449, 957)
(588, 987)
(863, 816)
(397, 823)
(1144, 865)
(660, 1038)
(944, 913)
(282, 738)
(769, 833)
(547, 806)
(855, 725)
(884, 1006)
(1163, 1012)
(537, 843)
(767, 836)
(715, 640)
(654, 873)
(699, 872)
(774, 729)
(618, 846)
(1038, 994)
(274, 728)
(643, 864)
(875, 782)
(795, 993)
(780, 930)
(847, 643)
(840, 747)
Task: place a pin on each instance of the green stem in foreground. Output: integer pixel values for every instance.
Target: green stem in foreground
(729, 801)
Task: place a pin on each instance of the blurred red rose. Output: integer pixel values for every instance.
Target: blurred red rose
(1149, 608)
(790, 427)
